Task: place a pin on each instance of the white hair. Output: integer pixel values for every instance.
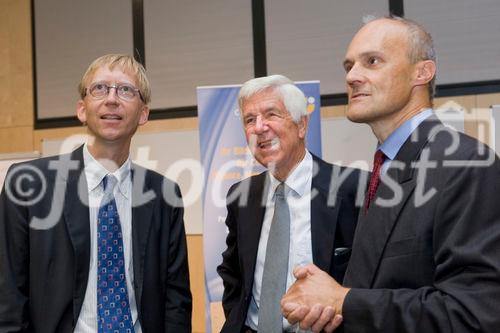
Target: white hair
(292, 97)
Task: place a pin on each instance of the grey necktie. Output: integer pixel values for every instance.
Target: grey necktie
(275, 267)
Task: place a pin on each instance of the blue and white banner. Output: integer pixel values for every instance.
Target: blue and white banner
(226, 159)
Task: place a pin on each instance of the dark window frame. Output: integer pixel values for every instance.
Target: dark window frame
(395, 7)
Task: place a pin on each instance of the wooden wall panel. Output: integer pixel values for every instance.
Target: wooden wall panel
(468, 103)
(16, 82)
(16, 139)
(197, 277)
(55, 133)
(336, 111)
(487, 100)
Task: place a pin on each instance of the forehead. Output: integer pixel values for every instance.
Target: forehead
(263, 100)
(115, 74)
(383, 35)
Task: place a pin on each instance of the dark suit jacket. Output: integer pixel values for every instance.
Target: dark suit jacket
(332, 226)
(430, 263)
(44, 271)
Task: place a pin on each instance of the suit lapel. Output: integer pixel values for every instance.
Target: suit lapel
(375, 228)
(76, 217)
(372, 235)
(323, 221)
(141, 222)
(323, 217)
(251, 220)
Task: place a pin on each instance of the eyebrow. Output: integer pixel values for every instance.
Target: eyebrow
(371, 53)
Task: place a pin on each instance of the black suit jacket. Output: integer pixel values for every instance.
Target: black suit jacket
(332, 226)
(430, 262)
(44, 266)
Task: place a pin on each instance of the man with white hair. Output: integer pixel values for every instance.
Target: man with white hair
(292, 215)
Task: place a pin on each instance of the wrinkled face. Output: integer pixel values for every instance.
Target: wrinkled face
(273, 137)
(111, 118)
(378, 72)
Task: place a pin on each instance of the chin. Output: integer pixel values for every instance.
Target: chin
(110, 137)
(356, 116)
(265, 161)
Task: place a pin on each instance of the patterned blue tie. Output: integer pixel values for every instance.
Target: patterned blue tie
(113, 309)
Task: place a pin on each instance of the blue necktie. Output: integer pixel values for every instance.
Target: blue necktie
(113, 308)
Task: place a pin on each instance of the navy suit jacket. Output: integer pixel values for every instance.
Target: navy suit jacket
(44, 267)
(429, 261)
(332, 226)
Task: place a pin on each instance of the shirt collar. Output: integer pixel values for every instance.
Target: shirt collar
(298, 180)
(395, 141)
(95, 172)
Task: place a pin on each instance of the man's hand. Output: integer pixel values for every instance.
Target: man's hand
(315, 300)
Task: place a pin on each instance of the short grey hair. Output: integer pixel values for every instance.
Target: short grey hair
(292, 97)
(421, 45)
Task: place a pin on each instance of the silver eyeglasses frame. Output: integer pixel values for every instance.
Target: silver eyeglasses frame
(117, 88)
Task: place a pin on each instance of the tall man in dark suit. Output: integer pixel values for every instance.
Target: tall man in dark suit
(425, 254)
(319, 208)
(89, 241)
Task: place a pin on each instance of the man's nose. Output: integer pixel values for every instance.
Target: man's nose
(259, 124)
(112, 94)
(354, 75)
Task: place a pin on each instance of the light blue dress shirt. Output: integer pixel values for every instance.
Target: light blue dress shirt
(395, 141)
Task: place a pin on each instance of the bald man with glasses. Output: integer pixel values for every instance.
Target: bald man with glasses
(89, 241)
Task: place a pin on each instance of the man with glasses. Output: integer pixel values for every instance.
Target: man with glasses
(95, 243)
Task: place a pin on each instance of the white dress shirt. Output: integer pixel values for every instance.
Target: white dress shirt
(95, 172)
(298, 197)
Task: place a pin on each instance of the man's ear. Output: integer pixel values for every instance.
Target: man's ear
(144, 115)
(425, 72)
(81, 111)
(302, 124)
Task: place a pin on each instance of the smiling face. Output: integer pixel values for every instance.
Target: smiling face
(379, 73)
(111, 119)
(276, 141)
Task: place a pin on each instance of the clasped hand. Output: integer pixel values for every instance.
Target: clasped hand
(314, 301)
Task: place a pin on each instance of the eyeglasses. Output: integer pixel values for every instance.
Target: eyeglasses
(124, 91)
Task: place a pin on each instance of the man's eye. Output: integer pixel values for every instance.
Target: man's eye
(373, 61)
(249, 120)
